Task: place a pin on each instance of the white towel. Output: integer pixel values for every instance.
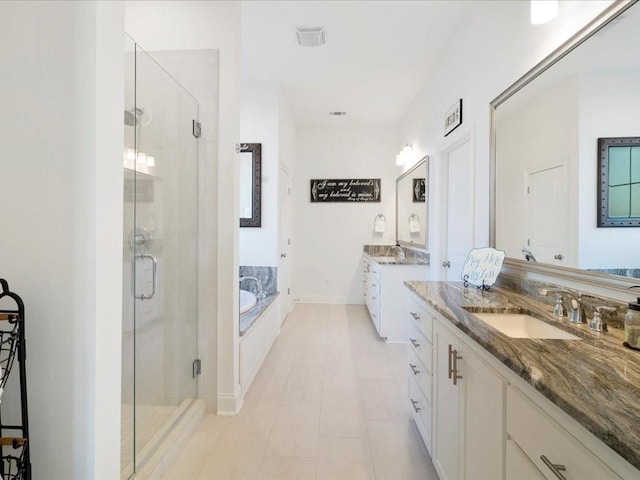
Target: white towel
(414, 225)
(379, 225)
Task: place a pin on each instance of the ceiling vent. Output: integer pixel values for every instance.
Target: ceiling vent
(311, 37)
(337, 114)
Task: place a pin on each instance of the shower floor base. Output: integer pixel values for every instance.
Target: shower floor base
(153, 423)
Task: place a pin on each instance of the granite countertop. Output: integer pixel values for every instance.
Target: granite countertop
(595, 380)
(248, 318)
(391, 260)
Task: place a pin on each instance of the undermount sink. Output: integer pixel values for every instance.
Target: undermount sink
(247, 300)
(519, 325)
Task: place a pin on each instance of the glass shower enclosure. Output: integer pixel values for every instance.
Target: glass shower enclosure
(159, 251)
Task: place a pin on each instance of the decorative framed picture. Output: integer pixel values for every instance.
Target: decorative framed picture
(453, 118)
(419, 190)
(619, 182)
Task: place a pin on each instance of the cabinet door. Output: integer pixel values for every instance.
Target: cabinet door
(483, 414)
(447, 407)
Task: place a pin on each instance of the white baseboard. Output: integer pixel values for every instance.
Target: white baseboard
(229, 404)
(330, 300)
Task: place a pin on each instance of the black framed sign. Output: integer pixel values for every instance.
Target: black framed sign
(419, 190)
(453, 118)
(619, 182)
(345, 190)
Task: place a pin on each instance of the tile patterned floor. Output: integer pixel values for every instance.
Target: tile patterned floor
(328, 404)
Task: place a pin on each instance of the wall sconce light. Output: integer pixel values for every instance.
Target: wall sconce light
(543, 11)
(404, 156)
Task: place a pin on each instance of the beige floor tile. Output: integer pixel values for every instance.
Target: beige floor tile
(382, 400)
(342, 414)
(398, 452)
(312, 357)
(287, 468)
(304, 383)
(344, 459)
(337, 378)
(295, 430)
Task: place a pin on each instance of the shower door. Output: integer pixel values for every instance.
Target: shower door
(159, 255)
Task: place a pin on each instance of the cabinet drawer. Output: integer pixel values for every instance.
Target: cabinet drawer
(540, 436)
(420, 346)
(519, 467)
(421, 412)
(420, 375)
(421, 316)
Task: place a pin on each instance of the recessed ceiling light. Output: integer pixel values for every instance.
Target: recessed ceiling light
(337, 114)
(311, 37)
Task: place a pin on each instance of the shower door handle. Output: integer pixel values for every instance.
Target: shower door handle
(154, 284)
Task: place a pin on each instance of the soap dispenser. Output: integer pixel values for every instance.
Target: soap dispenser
(632, 325)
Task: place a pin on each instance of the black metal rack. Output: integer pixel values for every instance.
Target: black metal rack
(15, 463)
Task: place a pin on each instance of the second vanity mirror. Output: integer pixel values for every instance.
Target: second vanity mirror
(412, 193)
(545, 153)
(250, 184)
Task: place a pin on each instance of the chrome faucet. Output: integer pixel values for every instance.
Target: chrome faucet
(260, 293)
(597, 323)
(577, 314)
(528, 255)
(559, 309)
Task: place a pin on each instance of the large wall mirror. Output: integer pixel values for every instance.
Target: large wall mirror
(412, 193)
(250, 184)
(545, 154)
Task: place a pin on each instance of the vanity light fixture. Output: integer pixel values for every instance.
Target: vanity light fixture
(543, 11)
(405, 155)
(311, 37)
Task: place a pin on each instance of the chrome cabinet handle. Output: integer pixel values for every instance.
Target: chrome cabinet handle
(450, 361)
(415, 315)
(555, 468)
(558, 256)
(154, 285)
(373, 297)
(414, 342)
(415, 405)
(283, 255)
(455, 357)
(414, 369)
(446, 264)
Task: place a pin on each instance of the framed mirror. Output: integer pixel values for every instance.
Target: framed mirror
(250, 184)
(545, 153)
(412, 193)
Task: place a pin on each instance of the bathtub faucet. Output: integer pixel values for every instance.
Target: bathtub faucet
(260, 293)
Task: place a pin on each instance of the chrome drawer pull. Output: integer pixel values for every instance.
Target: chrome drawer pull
(450, 362)
(415, 315)
(415, 407)
(414, 342)
(555, 468)
(414, 369)
(456, 357)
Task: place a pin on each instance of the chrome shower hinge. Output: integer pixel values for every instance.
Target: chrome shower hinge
(197, 129)
(196, 369)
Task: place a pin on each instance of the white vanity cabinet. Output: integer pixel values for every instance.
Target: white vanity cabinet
(385, 294)
(486, 421)
(469, 437)
(456, 398)
(546, 446)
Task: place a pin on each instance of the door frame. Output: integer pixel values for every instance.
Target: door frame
(444, 153)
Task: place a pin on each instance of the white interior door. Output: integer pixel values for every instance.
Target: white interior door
(459, 210)
(284, 227)
(547, 212)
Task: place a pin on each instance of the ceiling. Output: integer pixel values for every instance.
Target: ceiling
(377, 56)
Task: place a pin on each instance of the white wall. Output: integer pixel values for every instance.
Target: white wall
(193, 25)
(61, 137)
(259, 123)
(493, 47)
(328, 237)
(605, 111)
